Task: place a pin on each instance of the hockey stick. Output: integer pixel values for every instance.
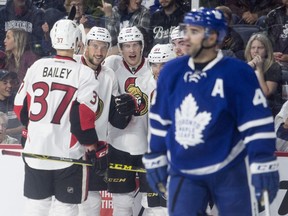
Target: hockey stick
(46, 157)
(72, 13)
(266, 203)
(114, 166)
(124, 167)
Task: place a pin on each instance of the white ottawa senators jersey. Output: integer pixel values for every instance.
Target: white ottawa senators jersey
(208, 120)
(51, 87)
(133, 138)
(107, 86)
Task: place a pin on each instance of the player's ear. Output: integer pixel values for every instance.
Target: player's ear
(212, 38)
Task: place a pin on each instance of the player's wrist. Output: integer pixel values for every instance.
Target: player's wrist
(264, 167)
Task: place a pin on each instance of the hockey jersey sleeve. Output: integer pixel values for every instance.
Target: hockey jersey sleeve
(281, 132)
(21, 100)
(253, 116)
(82, 115)
(159, 117)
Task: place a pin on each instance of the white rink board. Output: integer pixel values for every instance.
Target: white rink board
(11, 186)
(12, 180)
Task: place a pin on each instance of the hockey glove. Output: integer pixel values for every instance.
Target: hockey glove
(24, 137)
(156, 166)
(126, 104)
(99, 159)
(265, 176)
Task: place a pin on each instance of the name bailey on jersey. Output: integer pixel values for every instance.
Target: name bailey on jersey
(56, 72)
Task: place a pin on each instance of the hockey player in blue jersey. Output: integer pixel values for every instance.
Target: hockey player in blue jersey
(211, 129)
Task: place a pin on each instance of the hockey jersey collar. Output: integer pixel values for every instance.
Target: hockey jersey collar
(209, 65)
(134, 70)
(64, 57)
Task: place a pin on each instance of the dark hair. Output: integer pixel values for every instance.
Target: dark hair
(123, 5)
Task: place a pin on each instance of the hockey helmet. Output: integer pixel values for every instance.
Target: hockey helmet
(209, 19)
(161, 53)
(130, 34)
(100, 34)
(65, 34)
(176, 34)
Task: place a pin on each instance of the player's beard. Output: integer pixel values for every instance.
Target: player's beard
(193, 50)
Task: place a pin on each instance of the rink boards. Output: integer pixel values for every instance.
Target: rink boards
(12, 177)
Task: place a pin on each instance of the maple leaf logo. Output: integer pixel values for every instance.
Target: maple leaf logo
(189, 124)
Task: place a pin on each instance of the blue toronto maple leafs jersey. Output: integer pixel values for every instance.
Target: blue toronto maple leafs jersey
(208, 120)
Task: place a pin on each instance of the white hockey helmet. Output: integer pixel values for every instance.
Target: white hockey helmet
(161, 53)
(65, 34)
(130, 34)
(176, 34)
(100, 34)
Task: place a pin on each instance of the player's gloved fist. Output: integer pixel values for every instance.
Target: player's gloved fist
(156, 167)
(99, 158)
(265, 176)
(24, 137)
(126, 104)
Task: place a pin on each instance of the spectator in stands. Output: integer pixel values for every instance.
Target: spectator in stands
(51, 16)
(165, 20)
(277, 27)
(151, 5)
(80, 6)
(94, 9)
(4, 138)
(2, 59)
(210, 3)
(19, 56)
(233, 40)
(8, 80)
(57, 4)
(259, 55)
(251, 11)
(127, 13)
(281, 128)
(22, 14)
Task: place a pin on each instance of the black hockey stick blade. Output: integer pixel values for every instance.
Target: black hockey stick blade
(72, 13)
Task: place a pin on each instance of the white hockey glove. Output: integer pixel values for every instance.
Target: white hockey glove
(156, 166)
(265, 176)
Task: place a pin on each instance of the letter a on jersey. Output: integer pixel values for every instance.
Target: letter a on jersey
(218, 88)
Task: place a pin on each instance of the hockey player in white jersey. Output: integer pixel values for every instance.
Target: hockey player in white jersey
(128, 145)
(158, 56)
(211, 129)
(98, 41)
(57, 105)
(177, 39)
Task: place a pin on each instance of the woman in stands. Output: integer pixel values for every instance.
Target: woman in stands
(259, 55)
(19, 55)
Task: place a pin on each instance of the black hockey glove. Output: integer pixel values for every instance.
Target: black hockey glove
(24, 137)
(99, 159)
(126, 104)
